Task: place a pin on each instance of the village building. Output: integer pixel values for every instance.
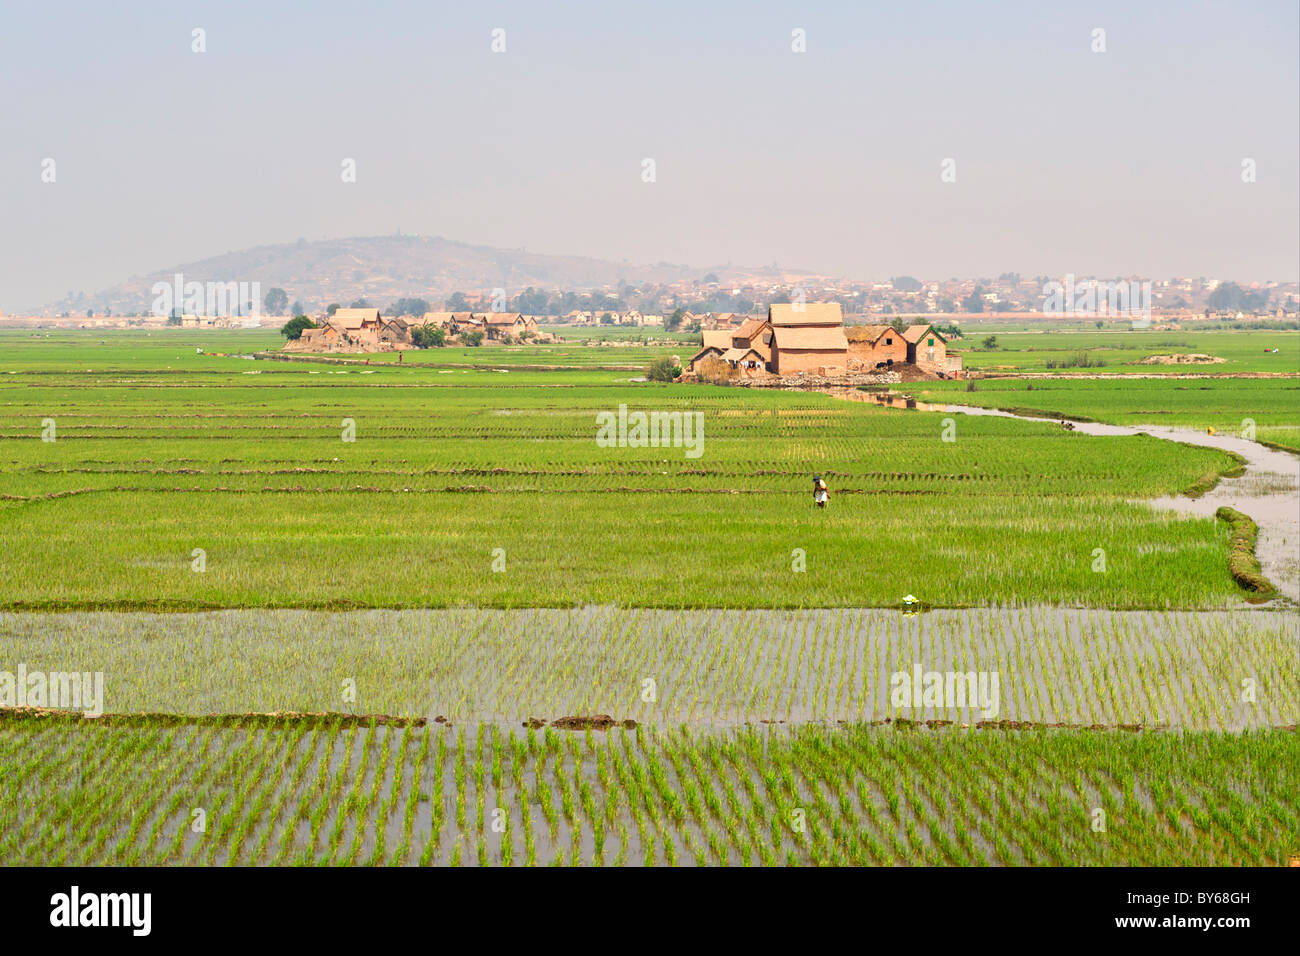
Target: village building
(461, 322)
(501, 325)
(926, 348)
(708, 352)
(395, 332)
(819, 351)
(357, 327)
(756, 333)
(875, 346)
(716, 341)
(748, 361)
(808, 338)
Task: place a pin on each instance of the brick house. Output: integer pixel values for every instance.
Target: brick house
(808, 338)
(716, 341)
(873, 345)
(395, 331)
(821, 351)
(360, 327)
(926, 348)
(499, 325)
(747, 360)
(755, 333)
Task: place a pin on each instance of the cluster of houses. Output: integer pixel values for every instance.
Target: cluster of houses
(596, 317)
(812, 339)
(365, 330)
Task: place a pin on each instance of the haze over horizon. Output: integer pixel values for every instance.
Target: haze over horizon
(1127, 161)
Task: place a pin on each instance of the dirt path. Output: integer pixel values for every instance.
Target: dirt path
(1269, 491)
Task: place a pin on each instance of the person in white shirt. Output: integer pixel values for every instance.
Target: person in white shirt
(820, 494)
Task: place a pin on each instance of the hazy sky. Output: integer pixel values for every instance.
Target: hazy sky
(1126, 161)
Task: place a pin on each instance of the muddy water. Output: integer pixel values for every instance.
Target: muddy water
(1268, 491)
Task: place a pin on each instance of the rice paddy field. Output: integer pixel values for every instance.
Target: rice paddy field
(1123, 352)
(1267, 409)
(318, 792)
(418, 615)
(710, 670)
(334, 487)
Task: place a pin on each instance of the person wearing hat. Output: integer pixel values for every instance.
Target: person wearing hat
(820, 494)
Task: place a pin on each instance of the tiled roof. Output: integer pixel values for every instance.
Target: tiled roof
(822, 339)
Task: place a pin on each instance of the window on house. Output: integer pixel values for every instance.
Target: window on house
(889, 341)
(930, 343)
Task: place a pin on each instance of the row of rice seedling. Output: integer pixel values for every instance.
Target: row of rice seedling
(1225, 670)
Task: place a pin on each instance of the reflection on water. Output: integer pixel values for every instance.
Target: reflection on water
(885, 399)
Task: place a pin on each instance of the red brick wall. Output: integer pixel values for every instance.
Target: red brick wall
(939, 351)
(864, 353)
(790, 361)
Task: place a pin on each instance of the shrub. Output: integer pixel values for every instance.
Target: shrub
(1081, 360)
(473, 338)
(663, 369)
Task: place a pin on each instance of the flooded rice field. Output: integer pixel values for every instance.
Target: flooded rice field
(1224, 670)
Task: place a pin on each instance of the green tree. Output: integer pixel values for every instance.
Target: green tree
(334, 307)
(606, 319)
(361, 304)
(473, 338)
(428, 336)
(975, 301)
(456, 302)
(276, 301)
(990, 343)
(674, 321)
(293, 328)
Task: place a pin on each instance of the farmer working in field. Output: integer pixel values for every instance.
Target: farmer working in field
(820, 494)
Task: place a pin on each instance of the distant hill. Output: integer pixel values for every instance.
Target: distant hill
(379, 269)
